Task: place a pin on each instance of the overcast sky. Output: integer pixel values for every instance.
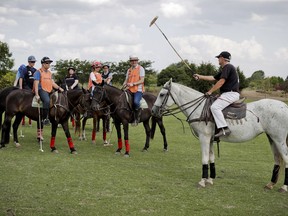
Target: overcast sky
(253, 31)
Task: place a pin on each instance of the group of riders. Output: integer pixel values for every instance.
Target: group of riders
(41, 83)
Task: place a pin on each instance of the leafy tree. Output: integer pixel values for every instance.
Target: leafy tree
(243, 83)
(7, 80)
(6, 62)
(175, 71)
(83, 69)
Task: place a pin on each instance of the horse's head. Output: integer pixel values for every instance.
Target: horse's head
(99, 96)
(163, 100)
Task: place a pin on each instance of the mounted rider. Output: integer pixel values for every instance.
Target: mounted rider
(95, 76)
(26, 79)
(134, 82)
(43, 86)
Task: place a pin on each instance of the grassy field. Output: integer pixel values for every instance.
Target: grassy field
(97, 182)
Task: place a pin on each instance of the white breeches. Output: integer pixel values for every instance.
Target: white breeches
(223, 101)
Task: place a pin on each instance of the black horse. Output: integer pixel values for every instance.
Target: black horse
(18, 104)
(122, 113)
(3, 95)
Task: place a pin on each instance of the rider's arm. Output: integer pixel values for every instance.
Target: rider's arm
(217, 86)
(54, 85)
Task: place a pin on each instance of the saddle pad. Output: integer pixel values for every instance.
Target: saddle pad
(143, 103)
(35, 103)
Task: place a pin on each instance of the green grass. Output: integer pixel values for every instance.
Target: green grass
(97, 182)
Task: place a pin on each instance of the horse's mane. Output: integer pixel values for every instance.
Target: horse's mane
(185, 88)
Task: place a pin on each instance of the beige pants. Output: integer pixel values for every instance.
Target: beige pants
(223, 101)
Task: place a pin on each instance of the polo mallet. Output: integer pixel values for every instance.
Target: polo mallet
(40, 131)
(154, 22)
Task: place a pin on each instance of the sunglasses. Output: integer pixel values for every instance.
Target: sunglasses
(32, 61)
(47, 63)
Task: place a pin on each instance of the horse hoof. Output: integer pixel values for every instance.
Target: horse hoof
(209, 182)
(17, 145)
(117, 152)
(55, 151)
(201, 184)
(165, 150)
(93, 142)
(144, 150)
(74, 152)
(283, 189)
(126, 155)
(107, 144)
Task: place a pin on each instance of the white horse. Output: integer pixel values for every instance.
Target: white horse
(266, 115)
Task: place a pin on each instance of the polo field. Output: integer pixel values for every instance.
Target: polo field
(98, 182)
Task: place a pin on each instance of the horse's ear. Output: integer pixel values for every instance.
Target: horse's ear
(170, 81)
(84, 90)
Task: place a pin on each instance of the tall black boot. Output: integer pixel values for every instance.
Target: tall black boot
(45, 117)
(137, 115)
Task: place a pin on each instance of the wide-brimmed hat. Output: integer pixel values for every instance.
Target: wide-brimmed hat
(96, 64)
(133, 58)
(225, 55)
(45, 60)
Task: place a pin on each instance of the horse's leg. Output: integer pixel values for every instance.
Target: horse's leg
(205, 149)
(163, 132)
(118, 129)
(15, 126)
(209, 181)
(82, 135)
(104, 122)
(276, 168)
(126, 138)
(53, 136)
(65, 127)
(39, 131)
(148, 131)
(5, 138)
(95, 122)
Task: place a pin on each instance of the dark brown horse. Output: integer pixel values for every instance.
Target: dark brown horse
(3, 95)
(122, 114)
(18, 104)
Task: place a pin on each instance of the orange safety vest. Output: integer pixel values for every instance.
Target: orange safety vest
(46, 80)
(98, 79)
(134, 76)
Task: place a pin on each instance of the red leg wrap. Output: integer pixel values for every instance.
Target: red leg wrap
(127, 146)
(70, 142)
(30, 121)
(104, 135)
(23, 120)
(93, 135)
(52, 142)
(120, 144)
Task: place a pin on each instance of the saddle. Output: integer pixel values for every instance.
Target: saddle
(129, 99)
(234, 111)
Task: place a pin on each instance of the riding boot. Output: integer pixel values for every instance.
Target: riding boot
(45, 117)
(137, 115)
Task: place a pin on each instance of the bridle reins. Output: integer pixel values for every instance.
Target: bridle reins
(173, 111)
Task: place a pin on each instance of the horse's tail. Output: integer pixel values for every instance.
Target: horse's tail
(153, 127)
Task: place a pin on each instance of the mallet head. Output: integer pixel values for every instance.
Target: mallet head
(153, 21)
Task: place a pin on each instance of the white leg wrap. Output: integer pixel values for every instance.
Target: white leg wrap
(209, 181)
(202, 183)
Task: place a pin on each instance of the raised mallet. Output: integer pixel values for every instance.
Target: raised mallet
(154, 22)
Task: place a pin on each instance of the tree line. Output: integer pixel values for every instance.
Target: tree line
(179, 72)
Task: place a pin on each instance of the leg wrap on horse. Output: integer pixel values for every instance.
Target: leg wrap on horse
(120, 145)
(70, 142)
(275, 174)
(286, 177)
(104, 135)
(93, 135)
(212, 170)
(127, 146)
(205, 171)
(52, 143)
